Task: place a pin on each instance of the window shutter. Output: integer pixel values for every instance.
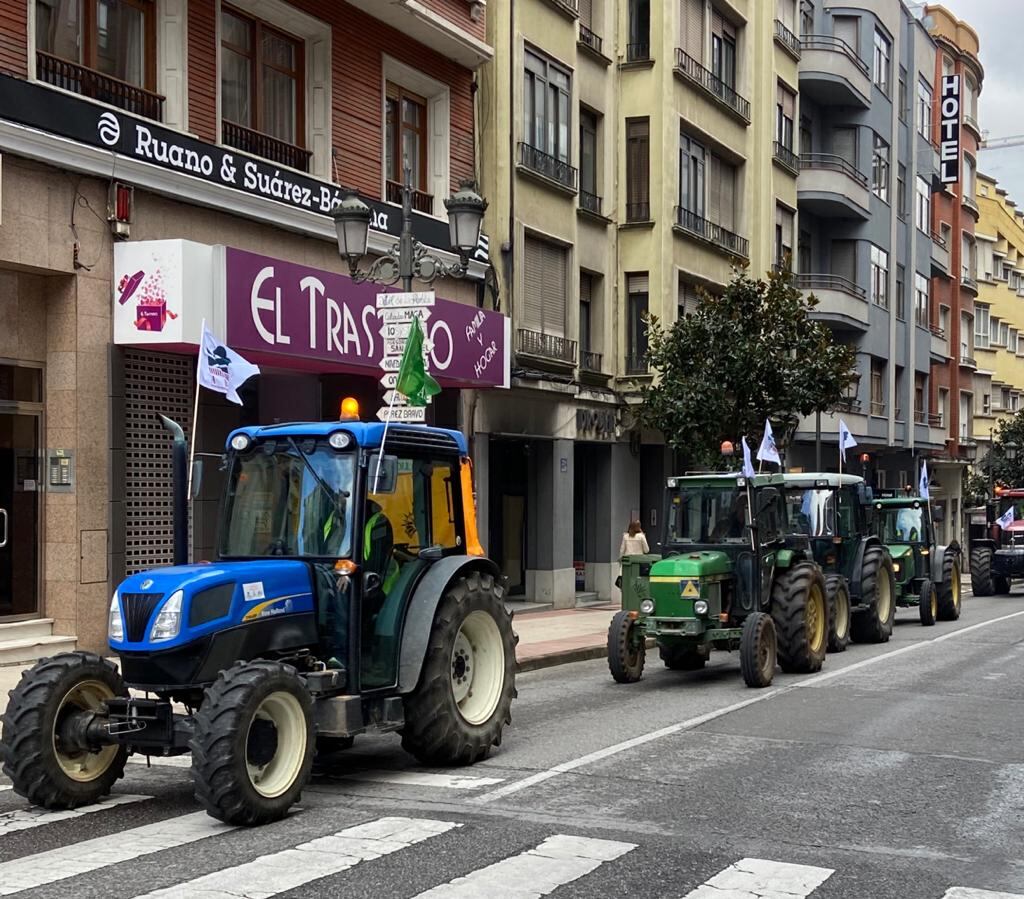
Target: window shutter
(532, 314)
(692, 25)
(638, 283)
(788, 103)
(587, 14)
(715, 191)
(554, 289)
(845, 28)
(844, 144)
(844, 259)
(586, 287)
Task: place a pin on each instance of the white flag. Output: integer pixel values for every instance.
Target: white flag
(768, 451)
(221, 368)
(922, 487)
(748, 466)
(1006, 519)
(845, 438)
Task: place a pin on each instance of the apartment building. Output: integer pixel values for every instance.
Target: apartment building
(167, 162)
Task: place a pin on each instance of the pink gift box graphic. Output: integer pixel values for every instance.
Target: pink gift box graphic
(151, 315)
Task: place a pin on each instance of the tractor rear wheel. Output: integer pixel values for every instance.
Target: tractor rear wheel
(252, 750)
(800, 612)
(683, 657)
(464, 696)
(949, 589)
(838, 595)
(626, 654)
(41, 769)
(981, 571)
(928, 604)
(878, 587)
(758, 650)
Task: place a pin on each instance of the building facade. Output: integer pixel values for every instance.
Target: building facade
(180, 161)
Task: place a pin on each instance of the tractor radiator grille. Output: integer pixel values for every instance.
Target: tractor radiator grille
(137, 609)
(419, 439)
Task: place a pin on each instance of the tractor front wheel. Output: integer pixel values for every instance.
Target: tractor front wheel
(252, 750)
(464, 697)
(878, 588)
(838, 612)
(758, 650)
(928, 604)
(981, 571)
(800, 612)
(626, 651)
(683, 656)
(949, 591)
(41, 767)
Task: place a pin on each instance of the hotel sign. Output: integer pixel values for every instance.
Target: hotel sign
(949, 130)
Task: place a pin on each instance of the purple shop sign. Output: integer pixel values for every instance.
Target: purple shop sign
(291, 310)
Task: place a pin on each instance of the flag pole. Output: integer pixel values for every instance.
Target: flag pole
(384, 437)
(195, 416)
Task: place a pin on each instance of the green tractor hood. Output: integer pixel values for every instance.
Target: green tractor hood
(695, 564)
(899, 550)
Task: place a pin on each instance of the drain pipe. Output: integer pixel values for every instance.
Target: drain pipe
(179, 468)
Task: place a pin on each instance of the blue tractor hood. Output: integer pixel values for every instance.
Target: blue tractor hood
(214, 597)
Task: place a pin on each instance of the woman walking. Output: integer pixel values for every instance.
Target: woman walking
(634, 543)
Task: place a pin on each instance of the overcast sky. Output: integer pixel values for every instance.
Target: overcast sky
(998, 23)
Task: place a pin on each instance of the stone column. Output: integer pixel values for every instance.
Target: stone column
(551, 576)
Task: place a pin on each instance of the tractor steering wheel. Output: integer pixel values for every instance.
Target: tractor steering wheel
(403, 554)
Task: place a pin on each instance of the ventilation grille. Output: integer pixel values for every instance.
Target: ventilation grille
(152, 383)
(137, 609)
(419, 439)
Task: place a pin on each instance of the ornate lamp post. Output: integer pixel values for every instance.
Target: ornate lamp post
(408, 258)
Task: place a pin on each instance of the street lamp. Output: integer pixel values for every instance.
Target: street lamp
(969, 449)
(409, 258)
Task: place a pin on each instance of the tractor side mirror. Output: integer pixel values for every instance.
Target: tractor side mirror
(382, 472)
(371, 582)
(197, 477)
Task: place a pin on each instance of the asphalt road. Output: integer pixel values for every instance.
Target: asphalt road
(896, 772)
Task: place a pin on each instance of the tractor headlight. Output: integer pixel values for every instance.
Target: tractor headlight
(168, 621)
(896, 567)
(340, 440)
(701, 607)
(240, 443)
(115, 623)
(647, 606)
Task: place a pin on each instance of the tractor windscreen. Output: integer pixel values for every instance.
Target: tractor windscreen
(812, 512)
(708, 514)
(902, 525)
(289, 499)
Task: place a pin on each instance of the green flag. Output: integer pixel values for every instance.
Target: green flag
(413, 381)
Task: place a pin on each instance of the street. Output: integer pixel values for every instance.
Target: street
(898, 771)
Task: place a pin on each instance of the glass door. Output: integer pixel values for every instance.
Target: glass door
(20, 487)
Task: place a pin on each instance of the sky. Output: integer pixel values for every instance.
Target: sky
(998, 23)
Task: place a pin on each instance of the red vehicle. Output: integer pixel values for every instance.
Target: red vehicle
(997, 555)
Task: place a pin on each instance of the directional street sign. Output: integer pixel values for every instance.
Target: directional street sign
(403, 316)
(394, 396)
(389, 380)
(405, 300)
(395, 331)
(403, 413)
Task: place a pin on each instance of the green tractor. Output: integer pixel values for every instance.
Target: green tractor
(726, 581)
(927, 575)
(830, 511)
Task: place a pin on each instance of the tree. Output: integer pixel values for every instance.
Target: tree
(1009, 473)
(752, 353)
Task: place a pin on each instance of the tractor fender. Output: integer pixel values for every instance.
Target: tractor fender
(938, 559)
(854, 582)
(419, 617)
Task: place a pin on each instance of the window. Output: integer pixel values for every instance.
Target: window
(986, 403)
(405, 142)
(589, 198)
(877, 387)
(943, 405)
(691, 24)
(880, 169)
(692, 166)
(920, 392)
(970, 99)
(902, 96)
(968, 257)
(687, 299)
(901, 190)
(1012, 344)
(722, 193)
(1005, 397)
(879, 277)
(785, 12)
(545, 287)
(944, 327)
(966, 335)
(923, 206)
(261, 84)
(723, 49)
(783, 238)
(1014, 402)
(982, 324)
(806, 18)
(966, 415)
(924, 109)
(546, 107)
(921, 316)
(638, 170)
(967, 179)
(586, 294)
(785, 110)
(639, 30)
(901, 304)
(880, 69)
(1004, 334)
(847, 29)
(637, 289)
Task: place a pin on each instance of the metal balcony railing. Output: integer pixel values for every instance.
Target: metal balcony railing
(833, 163)
(967, 280)
(877, 408)
(847, 404)
(920, 417)
(968, 361)
(89, 83)
(549, 166)
(590, 361)
(939, 239)
(935, 420)
(830, 282)
(638, 52)
(721, 237)
(972, 122)
(590, 202)
(259, 144)
(421, 201)
(548, 346)
(689, 67)
(937, 331)
(787, 39)
(786, 156)
(589, 39)
(636, 364)
(638, 212)
(833, 45)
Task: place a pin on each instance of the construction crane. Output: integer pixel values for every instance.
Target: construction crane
(1000, 143)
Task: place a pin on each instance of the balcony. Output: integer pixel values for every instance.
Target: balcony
(967, 361)
(590, 41)
(785, 157)
(692, 224)
(258, 144)
(638, 212)
(920, 417)
(847, 404)
(70, 76)
(545, 346)
(638, 53)
(938, 347)
(969, 203)
(570, 8)
(553, 170)
(636, 364)
(877, 408)
(935, 420)
(590, 202)
(831, 72)
(688, 68)
(841, 303)
(968, 282)
(787, 40)
(972, 123)
(421, 201)
(940, 255)
(830, 187)
(590, 361)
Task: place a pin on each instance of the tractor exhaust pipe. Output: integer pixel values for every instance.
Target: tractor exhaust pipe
(179, 467)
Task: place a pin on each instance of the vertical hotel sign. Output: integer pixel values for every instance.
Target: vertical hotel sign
(949, 129)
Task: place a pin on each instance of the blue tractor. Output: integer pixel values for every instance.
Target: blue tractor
(349, 594)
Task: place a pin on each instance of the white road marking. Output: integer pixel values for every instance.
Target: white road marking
(5, 787)
(33, 871)
(292, 868)
(557, 861)
(425, 779)
(163, 761)
(758, 878)
(691, 723)
(966, 893)
(25, 818)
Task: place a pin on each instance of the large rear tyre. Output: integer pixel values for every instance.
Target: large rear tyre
(626, 651)
(981, 571)
(800, 613)
(949, 590)
(758, 650)
(683, 657)
(928, 604)
(252, 750)
(464, 696)
(878, 589)
(838, 595)
(41, 768)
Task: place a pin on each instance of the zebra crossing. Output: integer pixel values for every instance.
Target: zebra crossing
(309, 860)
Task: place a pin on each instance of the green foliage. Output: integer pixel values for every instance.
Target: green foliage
(751, 354)
(1005, 472)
